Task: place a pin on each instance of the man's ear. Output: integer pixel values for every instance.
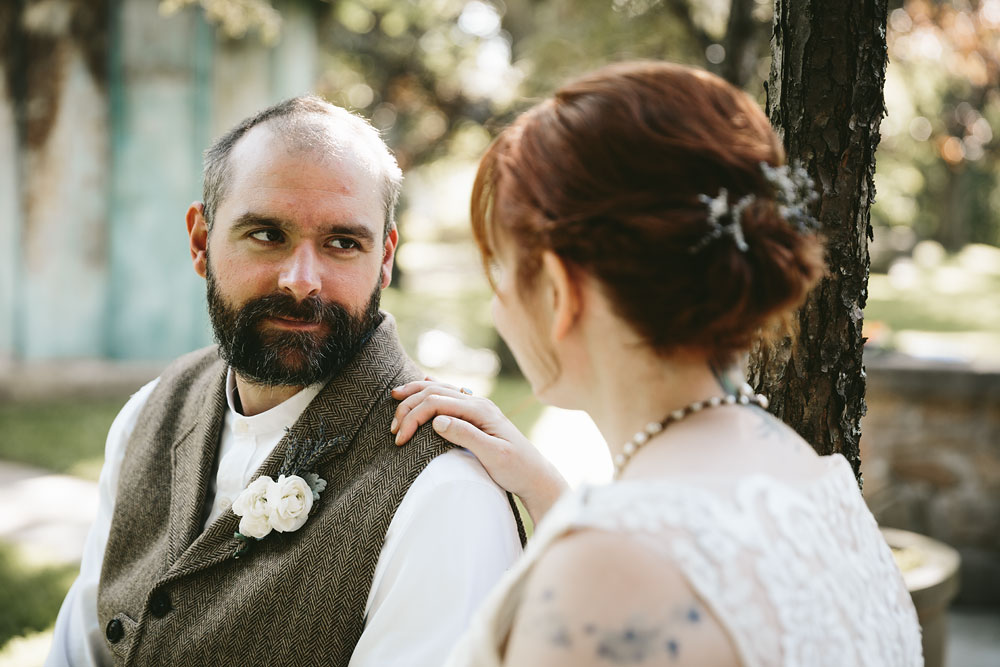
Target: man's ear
(198, 237)
(564, 292)
(389, 254)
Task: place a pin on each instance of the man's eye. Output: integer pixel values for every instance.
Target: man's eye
(267, 235)
(344, 244)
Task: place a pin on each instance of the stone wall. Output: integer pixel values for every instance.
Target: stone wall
(930, 455)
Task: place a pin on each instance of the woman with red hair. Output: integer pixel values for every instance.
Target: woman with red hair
(641, 232)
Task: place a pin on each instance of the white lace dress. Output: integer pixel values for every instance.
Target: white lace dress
(797, 576)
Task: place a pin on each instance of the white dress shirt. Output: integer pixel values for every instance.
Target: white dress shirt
(451, 539)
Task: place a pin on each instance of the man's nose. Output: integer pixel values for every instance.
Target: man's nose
(300, 276)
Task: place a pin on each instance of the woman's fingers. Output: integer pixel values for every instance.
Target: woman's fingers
(410, 388)
(460, 432)
(403, 392)
(412, 394)
(474, 411)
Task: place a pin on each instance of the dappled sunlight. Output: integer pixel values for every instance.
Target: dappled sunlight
(27, 651)
(55, 513)
(33, 592)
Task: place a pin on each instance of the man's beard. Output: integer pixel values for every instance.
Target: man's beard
(269, 356)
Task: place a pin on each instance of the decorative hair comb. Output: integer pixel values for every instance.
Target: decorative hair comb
(793, 193)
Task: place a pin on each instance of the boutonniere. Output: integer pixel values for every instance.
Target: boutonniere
(282, 505)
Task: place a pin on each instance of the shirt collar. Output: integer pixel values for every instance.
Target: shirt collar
(278, 418)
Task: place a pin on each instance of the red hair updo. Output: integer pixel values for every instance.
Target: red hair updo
(608, 175)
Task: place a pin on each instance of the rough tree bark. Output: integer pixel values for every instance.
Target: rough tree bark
(825, 99)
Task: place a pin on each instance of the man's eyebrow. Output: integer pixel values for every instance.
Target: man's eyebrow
(356, 230)
(249, 220)
(256, 220)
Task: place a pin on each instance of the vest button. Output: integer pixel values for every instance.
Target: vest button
(114, 631)
(159, 605)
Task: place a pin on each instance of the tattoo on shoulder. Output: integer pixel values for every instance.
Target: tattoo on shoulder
(552, 624)
(628, 645)
(771, 428)
(643, 639)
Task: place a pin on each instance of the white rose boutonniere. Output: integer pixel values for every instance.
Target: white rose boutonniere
(288, 502)
(282, 505)
(252, 508)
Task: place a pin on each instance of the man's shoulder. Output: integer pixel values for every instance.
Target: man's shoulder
(457, 466)
(454, 488)
(185, 384)
(193, 362)
(190, 369)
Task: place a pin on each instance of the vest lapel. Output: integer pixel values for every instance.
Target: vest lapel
(337, 411)
(193, 465)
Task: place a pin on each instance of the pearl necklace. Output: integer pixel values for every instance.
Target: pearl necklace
(744, 397)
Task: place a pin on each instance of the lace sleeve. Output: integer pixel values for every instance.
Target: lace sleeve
(797, 577)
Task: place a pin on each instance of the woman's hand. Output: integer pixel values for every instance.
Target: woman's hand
(478, 425)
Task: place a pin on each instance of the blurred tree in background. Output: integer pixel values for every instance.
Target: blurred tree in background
(440, 77)
(937, 165)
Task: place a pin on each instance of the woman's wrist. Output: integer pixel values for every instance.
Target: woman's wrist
(544, 493)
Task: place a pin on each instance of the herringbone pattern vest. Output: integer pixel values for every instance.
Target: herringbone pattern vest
(295, 598)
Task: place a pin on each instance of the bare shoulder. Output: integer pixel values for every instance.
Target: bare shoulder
(598, 598)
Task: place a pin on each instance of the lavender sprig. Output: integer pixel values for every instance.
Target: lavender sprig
(300, 454)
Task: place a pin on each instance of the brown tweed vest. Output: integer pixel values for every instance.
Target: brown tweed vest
(172, 593)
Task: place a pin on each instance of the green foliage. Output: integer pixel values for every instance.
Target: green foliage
(234, 17)
(939, 156)
(32, 594)
(63, 436)
(426, 70)
(439, 77)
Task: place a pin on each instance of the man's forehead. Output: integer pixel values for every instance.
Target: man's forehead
(264, 151)
(317, 142)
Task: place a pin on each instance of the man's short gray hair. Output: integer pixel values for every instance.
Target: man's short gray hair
(306, 123)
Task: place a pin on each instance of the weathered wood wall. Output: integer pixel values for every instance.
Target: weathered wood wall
(105, 109)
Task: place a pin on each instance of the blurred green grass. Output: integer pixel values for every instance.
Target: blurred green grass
(928, 305)
(64, 436)
(938, 305)
(68, 437)
(32, 596)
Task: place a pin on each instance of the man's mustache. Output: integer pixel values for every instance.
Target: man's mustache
(311, 309)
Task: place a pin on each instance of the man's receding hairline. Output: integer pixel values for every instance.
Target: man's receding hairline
(276, 130)
(307, 125)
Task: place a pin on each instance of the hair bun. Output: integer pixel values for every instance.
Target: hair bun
(630, 173)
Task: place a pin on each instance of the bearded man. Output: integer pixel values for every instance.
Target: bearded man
(253, 507)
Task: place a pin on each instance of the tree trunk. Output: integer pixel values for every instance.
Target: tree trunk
(740, 43)
(825, 99)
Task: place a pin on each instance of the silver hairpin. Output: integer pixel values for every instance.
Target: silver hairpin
(793, 194)
(724, 219)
